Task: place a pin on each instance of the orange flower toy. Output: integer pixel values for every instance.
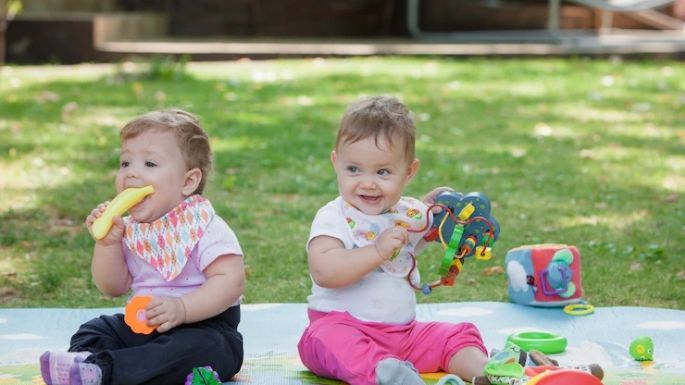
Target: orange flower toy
(135, 317)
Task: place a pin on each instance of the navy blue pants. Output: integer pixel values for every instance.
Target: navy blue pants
(127, 358)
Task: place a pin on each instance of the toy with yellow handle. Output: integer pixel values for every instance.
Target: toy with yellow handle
(118, 206)
(465, 228)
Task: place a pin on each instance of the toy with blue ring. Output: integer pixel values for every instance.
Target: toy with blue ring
(480, 229)
(465, 228)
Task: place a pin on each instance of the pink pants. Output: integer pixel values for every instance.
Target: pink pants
(337, 345)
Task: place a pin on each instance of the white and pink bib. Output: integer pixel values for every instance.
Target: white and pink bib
(409, 213)
(167, 242)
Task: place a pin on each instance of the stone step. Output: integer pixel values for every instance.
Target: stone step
(538, 44)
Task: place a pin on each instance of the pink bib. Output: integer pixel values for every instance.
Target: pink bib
(167, 242)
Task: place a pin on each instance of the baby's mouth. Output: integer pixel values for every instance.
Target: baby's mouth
(370, 199)
(139, 204)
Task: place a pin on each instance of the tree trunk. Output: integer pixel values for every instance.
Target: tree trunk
(3, 28)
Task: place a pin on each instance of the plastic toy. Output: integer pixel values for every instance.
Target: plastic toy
(450, 379)
(504, 365)
(544, 275)
(134, 314)
(118, 206)
(203, 376)
(465, 228)
(579, 309)
(564, 377)
(546, 342)
(502, 373)
(642, 349)
(594, 369)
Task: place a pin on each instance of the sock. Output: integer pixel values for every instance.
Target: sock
(391, 371)
(85, 374)
(55, 366)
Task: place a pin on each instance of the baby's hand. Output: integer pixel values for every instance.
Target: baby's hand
(429, 198)
(166, 312)
(115, 233)
(390, 241)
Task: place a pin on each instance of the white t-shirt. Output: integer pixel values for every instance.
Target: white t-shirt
(378, 296)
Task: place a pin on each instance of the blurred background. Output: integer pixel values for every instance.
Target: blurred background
(74, 31)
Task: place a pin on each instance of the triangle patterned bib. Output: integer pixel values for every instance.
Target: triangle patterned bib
(166, 243)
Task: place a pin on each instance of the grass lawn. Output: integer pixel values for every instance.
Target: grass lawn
(578, 151)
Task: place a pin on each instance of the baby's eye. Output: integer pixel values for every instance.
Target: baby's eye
(383, 172)
(353, 169)
(150, 164)
(124, 163)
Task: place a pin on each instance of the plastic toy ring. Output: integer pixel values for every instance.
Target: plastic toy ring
(579, 309)
(546, 342)
(134, 315)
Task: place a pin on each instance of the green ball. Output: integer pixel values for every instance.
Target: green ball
(642, 349)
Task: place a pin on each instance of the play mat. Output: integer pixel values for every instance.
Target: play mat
(271, 332)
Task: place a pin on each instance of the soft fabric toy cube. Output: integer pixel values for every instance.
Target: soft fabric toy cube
(544, 275)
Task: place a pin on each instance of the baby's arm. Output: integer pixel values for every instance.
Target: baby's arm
(108, 266)
(224, 285)
(332, 265)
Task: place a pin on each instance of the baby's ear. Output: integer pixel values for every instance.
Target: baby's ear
(413, 169)
(192, 180)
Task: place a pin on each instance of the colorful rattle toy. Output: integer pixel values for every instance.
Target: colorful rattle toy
(642, 349)
(135, 317)
(465, 228)
(118, 206)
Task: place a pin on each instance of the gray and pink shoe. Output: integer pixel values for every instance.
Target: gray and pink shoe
(55, 366)
(85, 374)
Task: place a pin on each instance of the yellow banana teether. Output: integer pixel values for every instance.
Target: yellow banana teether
(119, 205)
